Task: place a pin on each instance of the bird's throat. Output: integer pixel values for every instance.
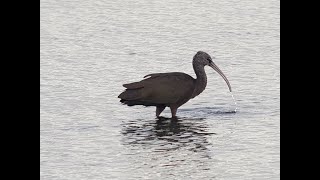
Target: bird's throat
(201, 81)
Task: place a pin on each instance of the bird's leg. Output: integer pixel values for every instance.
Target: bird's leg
(173, 111)
(159, 110)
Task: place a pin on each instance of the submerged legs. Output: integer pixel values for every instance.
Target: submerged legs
(159, 110)
(173, 111)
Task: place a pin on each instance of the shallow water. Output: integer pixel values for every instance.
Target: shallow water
(88, 49)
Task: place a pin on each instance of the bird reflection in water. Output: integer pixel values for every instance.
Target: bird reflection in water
(166, 134)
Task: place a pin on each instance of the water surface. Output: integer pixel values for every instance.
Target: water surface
(88, 49)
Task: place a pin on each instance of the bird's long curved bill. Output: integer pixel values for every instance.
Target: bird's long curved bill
(215, 67)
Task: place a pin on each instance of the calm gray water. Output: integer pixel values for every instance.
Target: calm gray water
(88, 49)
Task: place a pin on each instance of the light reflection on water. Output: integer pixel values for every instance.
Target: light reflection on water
(88, 49)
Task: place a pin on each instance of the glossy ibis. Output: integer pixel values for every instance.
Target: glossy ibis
(170, 89)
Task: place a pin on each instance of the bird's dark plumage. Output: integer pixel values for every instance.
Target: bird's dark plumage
(169, 89)
(158, 89)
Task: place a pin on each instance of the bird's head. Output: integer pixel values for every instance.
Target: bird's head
(204, 59)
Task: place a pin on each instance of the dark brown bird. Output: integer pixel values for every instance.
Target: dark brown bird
(170, 89)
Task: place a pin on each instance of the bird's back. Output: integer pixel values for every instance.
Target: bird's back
(160, 89)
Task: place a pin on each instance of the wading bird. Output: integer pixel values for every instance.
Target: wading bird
(170, 89)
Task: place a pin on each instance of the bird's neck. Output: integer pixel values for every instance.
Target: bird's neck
(201, 81)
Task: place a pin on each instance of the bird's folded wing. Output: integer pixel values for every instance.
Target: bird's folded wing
(167, 88)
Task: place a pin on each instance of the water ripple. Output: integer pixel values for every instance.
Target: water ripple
(166, 134)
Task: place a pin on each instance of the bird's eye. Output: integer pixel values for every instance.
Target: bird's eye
(210, 61)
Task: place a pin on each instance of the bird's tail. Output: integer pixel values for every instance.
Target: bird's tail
(133, 97)
(130, 96)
